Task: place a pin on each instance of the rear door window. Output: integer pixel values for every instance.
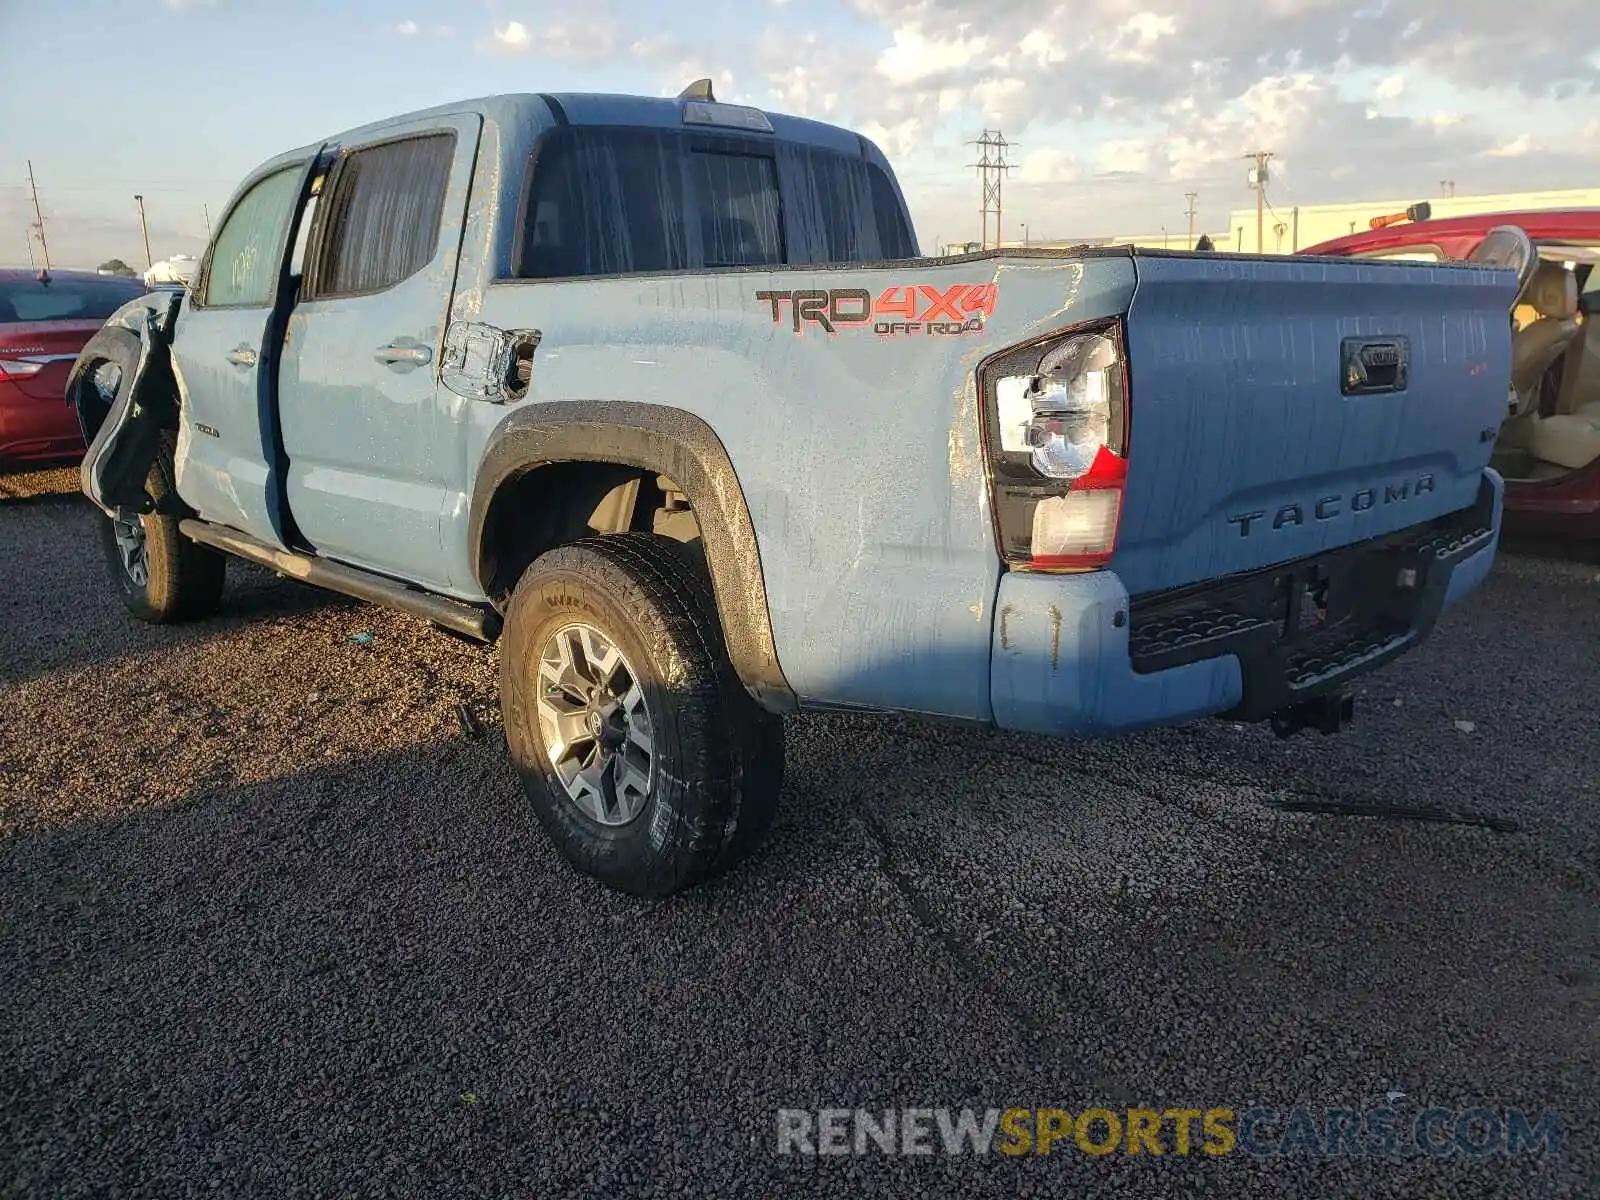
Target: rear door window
(65, 299)
(380, 223)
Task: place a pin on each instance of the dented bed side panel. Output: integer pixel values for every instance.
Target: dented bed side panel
(857, 448)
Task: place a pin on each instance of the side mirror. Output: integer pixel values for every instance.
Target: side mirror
(1589, 304)
(1419, 212)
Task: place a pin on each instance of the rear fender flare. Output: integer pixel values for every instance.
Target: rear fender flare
(665, 441)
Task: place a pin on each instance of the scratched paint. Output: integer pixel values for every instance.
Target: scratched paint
(867, 493)
(1237, 408)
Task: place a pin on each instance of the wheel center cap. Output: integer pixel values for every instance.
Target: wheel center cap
(596, 723)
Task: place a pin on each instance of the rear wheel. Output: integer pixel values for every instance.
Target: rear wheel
(161, 576)
(646, 761)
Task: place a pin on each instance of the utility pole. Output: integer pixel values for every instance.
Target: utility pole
(992, 167)
(1191, 197)
(44, 246)
(148, 260)
(1024, 235)
(1258, 180)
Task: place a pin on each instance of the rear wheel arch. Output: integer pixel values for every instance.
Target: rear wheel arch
(560, 465)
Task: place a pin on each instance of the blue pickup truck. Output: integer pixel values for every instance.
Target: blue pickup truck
(658, 394)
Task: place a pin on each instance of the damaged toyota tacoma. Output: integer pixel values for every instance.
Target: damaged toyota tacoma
(659, 395)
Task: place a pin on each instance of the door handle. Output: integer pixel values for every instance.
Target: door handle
(394, 355)
(242, 356)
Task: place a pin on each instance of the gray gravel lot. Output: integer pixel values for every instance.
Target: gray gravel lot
(270, 926)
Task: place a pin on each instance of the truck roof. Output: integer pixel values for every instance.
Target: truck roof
(595, 108)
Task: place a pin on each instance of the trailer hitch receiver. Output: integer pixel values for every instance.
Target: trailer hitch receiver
(1326, 714)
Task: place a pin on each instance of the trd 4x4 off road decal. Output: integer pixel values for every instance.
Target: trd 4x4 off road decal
(917, 308)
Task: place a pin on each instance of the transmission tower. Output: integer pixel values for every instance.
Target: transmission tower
(1191, 197)
(992, 167)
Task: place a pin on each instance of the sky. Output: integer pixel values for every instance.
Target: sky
(1115, 108)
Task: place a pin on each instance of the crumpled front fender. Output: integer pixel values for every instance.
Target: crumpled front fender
(123, 436)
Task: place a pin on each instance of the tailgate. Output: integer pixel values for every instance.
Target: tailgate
(1269, 421)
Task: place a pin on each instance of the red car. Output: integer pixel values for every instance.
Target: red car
(45, 318)
(1548, 448)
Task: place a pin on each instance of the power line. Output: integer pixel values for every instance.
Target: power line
(104, 181)
(1258, 180)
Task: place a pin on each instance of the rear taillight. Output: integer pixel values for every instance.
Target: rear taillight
(19, 368)
(1056, 425)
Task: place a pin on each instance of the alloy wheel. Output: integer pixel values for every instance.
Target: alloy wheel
(594, 724)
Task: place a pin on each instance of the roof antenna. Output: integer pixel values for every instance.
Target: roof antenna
(700, 89)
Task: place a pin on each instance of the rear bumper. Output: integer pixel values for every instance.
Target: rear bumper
(1074, 654)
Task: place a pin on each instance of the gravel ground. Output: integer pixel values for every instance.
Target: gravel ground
(270, 925)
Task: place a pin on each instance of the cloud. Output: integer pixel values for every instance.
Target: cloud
(586, 43)
(1123, 104)
(406, 28)
(1049, 166)
(1042, 47)
(1515, 148)
(915, 57)
(1136, 39)
(514, 37)
(180, 5)
(899, 140)
(801, 91)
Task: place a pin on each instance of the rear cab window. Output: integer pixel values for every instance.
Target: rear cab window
(735, 198)
(602, 200)
(65, 299)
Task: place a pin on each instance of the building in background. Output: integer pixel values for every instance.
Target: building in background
(179, 269)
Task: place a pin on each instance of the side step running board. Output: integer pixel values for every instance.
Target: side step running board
(481, 623)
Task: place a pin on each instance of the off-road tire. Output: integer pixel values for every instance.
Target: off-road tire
(184, 579)
(718, 756)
